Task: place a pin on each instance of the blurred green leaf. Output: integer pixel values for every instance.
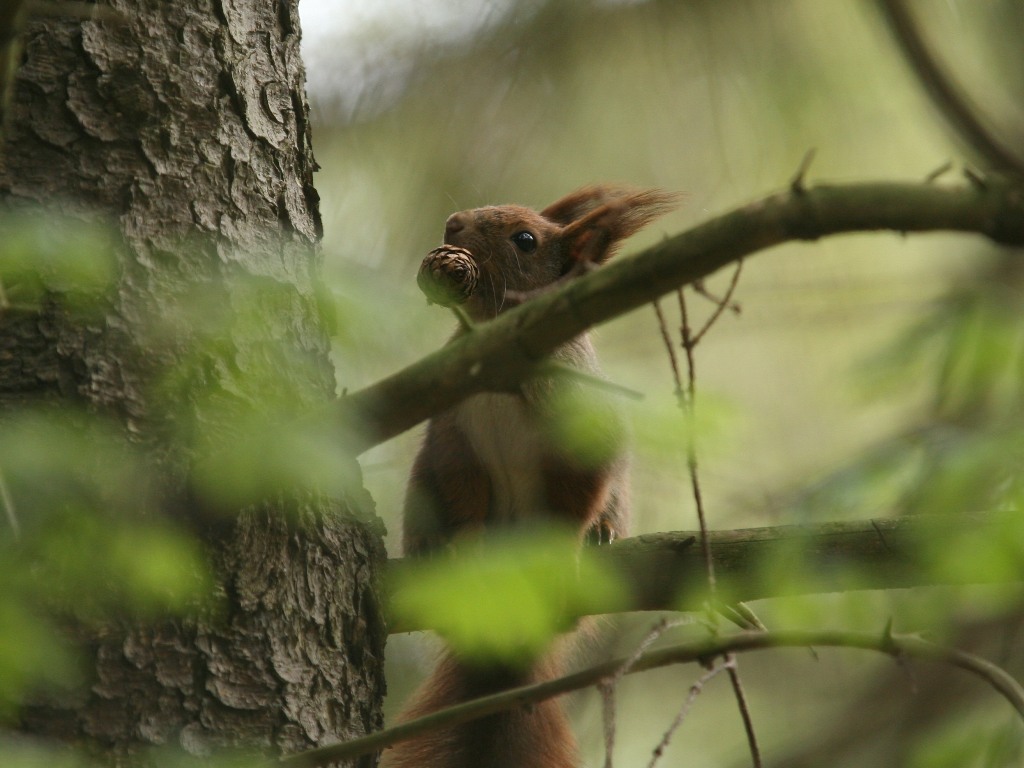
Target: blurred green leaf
(965, 450)
(32, 656)
(25, 753)
(58, 457)
(246, 456)
(505, 598)
(586, 424)
(661, 428)
(997, 549)
(237, 399)
(92, 544)
(95, 566)
(46, 251)
(970, 741)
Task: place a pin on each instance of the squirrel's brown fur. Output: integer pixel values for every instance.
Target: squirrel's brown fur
(491, 461)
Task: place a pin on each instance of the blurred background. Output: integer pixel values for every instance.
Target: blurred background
(866, 375)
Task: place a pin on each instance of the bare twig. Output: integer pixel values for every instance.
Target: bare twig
(744, 707)
(686, 398)
(935, 175)
(689, 343)
(723, 304)
(898, 646)
(465, 321)
(695, 690)
(700, 288)
(950, 100)
(976, 177)
(607, 687)
(798, 184)
(552, 368)
(607, 692)
(687, 404)
(670, 348)
(8, 504)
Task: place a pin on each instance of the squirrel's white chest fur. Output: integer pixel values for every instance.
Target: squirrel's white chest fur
(505, 437)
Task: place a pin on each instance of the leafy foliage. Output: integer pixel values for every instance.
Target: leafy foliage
(83, 541)
(44, 252)
(505, 597)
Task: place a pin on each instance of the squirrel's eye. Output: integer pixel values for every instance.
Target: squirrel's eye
(525, 241)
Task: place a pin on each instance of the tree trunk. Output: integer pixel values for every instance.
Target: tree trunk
(187, 120)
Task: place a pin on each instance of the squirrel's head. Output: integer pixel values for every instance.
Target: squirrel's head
(519, 250)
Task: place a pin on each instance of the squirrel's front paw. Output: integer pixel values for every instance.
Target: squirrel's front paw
(448, 275)
(601, 533)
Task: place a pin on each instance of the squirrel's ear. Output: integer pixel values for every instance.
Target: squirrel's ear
(592, 238)
(577, 204)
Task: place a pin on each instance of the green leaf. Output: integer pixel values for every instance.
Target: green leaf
(45, 251)
(93, 539)
(505, 599)
(586, 424)
(95, 566)
(250, 456)
(31, 655)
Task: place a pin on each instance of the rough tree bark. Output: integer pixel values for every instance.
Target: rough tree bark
(190, 119)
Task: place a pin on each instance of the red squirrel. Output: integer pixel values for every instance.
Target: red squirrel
(492, 460)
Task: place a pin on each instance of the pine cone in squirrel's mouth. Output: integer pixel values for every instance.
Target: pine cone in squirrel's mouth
(448, 275)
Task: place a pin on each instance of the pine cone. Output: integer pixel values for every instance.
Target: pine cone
(448, 275)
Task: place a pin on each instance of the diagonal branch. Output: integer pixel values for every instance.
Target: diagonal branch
(897, 646)
(499, 354)
(950, 100)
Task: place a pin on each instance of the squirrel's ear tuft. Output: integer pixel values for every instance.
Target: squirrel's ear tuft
(580, 202)
(592, 235)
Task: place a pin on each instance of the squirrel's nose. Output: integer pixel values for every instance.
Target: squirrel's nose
(455, 223)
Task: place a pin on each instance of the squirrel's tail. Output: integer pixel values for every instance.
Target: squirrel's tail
(537, 736)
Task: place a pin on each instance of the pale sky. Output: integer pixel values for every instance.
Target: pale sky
(355, 47)
(349, 45)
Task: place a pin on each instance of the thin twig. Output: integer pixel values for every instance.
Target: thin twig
(670, 348)
(8, 503)
(695, 690)
(897, 646)
(700, 287)
(976, 178)
(744, 708)
(465, 321)
(552, 368)
(689, 343)
(686, 399)
(954, 105)
(687, 404)
(722, 304)
(608, 720)
(607, 687)
(943, 169)
(798, 184)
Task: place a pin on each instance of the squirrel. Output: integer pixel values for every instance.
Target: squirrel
(491, 461)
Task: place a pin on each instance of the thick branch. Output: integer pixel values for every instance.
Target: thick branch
(950, 100)
(666, 571)
(894, 645)
(500, 354)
